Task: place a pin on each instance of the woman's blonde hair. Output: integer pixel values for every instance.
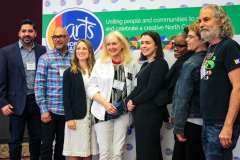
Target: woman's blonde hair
(125, 53)
(75, 67)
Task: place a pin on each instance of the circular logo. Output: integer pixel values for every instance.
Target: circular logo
(129, 146)
(80, 24)
(168, 151)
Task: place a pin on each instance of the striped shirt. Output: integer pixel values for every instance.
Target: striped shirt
(49, 81)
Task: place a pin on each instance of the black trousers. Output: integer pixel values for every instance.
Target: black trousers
(148, 121)
(31, 117)
(192, 148)
(54, 130)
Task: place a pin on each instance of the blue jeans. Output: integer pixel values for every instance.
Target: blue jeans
(212, 147)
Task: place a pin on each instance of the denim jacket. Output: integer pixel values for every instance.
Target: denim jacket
(186, 98)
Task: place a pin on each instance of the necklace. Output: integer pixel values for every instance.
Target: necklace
(116, 61)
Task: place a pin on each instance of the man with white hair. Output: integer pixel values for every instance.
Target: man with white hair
(220, 84)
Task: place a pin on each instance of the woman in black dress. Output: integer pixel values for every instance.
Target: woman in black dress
(147, 115)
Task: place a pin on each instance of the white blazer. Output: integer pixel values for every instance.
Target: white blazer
(101, 80)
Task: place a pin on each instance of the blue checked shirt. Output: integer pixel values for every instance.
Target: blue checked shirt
(49, 81)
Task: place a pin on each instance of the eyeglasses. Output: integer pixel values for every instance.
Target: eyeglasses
(175, 45)
(54, 37)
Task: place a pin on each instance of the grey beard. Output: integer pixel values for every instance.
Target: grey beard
(207, 35)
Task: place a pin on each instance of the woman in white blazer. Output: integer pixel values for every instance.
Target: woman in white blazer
(112, 79)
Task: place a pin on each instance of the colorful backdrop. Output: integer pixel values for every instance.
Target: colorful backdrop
(92, 19)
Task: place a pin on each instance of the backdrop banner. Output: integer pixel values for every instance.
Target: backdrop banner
(92, 19)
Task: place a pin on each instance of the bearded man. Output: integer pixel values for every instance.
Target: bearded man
(18, 63)
(220, 84)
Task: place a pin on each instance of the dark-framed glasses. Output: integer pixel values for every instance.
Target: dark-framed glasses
(178, 45)
(59, 36)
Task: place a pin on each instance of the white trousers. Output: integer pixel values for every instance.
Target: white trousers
(111, 137)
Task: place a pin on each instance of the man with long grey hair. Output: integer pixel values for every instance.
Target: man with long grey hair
(220, 84)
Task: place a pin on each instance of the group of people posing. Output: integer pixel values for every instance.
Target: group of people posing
(76, 106)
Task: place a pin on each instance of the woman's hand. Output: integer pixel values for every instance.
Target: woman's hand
(130, 105)
(181, 137)
(71, 124)
(110, 108)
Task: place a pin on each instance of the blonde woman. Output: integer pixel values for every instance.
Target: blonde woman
(111, 81)
(79, 136)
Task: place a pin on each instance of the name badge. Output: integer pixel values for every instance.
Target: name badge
(31, 66)
(118, 85)
(61, 71)
(135, 82)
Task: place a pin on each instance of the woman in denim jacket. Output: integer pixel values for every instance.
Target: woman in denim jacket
(186, 102)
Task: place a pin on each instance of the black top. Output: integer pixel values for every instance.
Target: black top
(164, 97)
(174, 72)
(74, 95)
(215, 87)
(150, 79)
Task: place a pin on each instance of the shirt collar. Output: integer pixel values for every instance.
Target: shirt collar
(22, 47)
(60, 53)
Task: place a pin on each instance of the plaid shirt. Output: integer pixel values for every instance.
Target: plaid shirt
(49, 81)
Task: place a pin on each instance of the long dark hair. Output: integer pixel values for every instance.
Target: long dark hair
(156, 38)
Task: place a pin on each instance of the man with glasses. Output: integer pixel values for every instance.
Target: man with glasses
(17, 73)
(49, 94)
